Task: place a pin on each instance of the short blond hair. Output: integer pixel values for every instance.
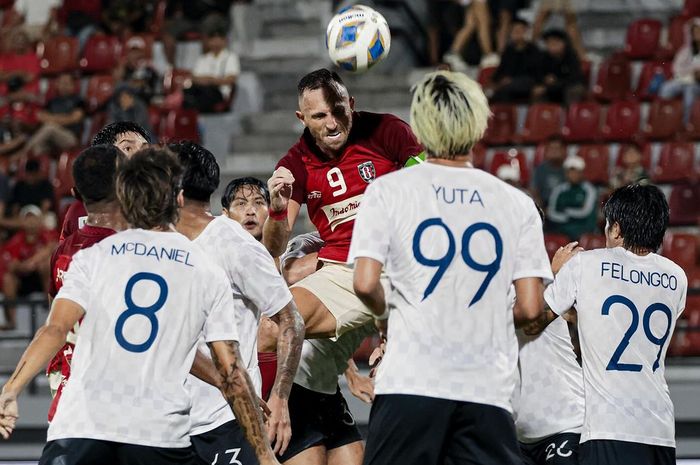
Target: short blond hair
(449, 113)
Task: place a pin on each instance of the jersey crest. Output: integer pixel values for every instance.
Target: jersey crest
(367, 171)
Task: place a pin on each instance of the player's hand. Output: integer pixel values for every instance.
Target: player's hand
(361, 387)
(264, 409)
(279, 426)
(564, 254)
(376, 358)
(280, 187)
(8, 414)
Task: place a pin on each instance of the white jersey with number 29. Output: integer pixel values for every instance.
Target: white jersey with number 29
(452, 241)
(627, 308)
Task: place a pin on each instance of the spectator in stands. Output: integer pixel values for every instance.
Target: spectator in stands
(19, 69)
(631, 170)
(505, 11)
(38, 19)
(477, 18)
(445, 18)
(519, 69)
(572, 204)
(26, 258)
(214, 75)
(61, 120)
(562, 76)
(564, 8)
(124, 17)
(510, 174)
(33, 189)
(126, 105)
(686, 70)
(550, 173)
(136, 70)
(12, 135)
(188, 16)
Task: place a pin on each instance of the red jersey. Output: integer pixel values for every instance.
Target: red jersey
(20, 248)
(332, 189)
(58, 370)
(76, 216)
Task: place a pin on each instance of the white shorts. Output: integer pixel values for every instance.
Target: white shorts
(332, 285)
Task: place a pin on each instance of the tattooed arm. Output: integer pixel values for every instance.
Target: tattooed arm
(535, 327)
(204, 369)
(48, 340)
(290, 337)
(240, 394)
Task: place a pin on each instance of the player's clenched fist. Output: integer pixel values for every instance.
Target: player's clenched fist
(8, 414)
(280, 187)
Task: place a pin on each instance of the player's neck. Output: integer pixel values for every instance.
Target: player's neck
(194, 217)
(458, 161)
(106, 216)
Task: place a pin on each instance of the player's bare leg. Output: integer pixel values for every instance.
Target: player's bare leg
(349, 454)
(319, 321)
(315, 455)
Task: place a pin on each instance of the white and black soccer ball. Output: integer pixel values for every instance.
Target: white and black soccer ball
(358, 38)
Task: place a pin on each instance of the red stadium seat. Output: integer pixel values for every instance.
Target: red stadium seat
(543, 120)
(155, 117)
(176, 79)
(485, 76)
(613, 82)
(100, 54)
(651, 71)
(99, 90)
(97, 122)
(642, 39)
(58, 55)
(691, 344)
(622, 121)
(685, 204)
(664, 119)
(676, 34)
(592, 241)
(646, 155)
(479, 156)
(63, 180)
(502, 125)
(582, 122)
(514, 158)
(552, 242)
(682, 249)
(597, 159)
(676, 163)
(181, 125)
(693, 126)
(691, 8)
(52, 91)
(693, 275)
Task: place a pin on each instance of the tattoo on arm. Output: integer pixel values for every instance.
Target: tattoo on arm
(540, 324)
(289, 342)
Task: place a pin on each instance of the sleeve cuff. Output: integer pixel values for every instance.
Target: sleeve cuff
(73, 298)
(366, 254)
(222, 337)
(550, 303)
(545, 274)
(277, 306)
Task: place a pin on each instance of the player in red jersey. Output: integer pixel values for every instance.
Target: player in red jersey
(94, 172)
(126, 136)
(339, 154)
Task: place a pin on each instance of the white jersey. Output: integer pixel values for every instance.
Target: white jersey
(148, 297)
(548, 398)
(257, 289)
(627, 308)
(452, 241)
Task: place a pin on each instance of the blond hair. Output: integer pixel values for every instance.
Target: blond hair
(449, 113)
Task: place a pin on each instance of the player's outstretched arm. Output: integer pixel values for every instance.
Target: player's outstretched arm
(290, 338)
(367, 284)
(204, 369)
(48, 340)
(283, 212)
(240, 394)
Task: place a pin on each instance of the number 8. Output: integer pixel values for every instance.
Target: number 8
(133, 309)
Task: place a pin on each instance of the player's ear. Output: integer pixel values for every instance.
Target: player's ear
(300, 117)
(180, 199)
(225, 213)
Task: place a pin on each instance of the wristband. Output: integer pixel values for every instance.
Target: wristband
(277, 216)
(383, 316)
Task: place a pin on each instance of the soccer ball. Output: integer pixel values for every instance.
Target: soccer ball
(358, 38)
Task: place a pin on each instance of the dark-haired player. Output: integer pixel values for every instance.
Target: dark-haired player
(627, 300)
(258, 289)
(128, 137)
(94, 172)
(339, 154)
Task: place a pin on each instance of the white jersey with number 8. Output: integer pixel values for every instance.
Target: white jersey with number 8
(627, 308)
(452, 241)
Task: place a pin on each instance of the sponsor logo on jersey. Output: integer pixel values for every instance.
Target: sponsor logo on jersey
(314, 195)
(367, 171)
(343, 211)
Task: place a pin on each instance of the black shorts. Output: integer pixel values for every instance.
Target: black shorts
(417, 430)
(222, 445)
(97, 452)
(559, 449)
(319, 419)
(608, 452)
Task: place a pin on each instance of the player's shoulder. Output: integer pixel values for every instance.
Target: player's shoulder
(224, 229)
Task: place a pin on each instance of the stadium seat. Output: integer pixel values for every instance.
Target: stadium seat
(552, 242)
(63, 180)
(646, 156)
(58, 55)
(502, 125)
(485, 75)
(682, 249)
(676, 163)
(99, 90)
(693, 275)
(591, 241)
(684, 205)
(665, 119)
(676, 35)
(582, 122)
(155, 118)
(176, 79)
(543, 120)
(516, 159)
(180, 125)
(648, 78)
(693, 126)
(91, 8)
(597, 163)
(479, 156)
(613, 82)
(691, 8)
(691, 346)
(100, 54)
(97, 122)
(642, 39)
(622, 121)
